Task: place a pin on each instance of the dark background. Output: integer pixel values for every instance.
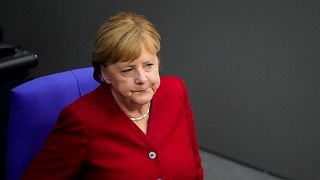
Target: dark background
(251, 67)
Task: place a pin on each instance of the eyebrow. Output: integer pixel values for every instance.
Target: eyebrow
(128, 64)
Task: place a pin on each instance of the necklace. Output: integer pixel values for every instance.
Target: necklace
(123, 109)
(141, 117)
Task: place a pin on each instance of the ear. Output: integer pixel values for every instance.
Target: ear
(104, 74)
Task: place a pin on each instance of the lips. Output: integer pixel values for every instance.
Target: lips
(142, 90)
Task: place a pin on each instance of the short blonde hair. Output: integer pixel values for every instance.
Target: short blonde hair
(120, 39)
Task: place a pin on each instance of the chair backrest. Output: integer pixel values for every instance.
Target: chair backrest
(34, 109)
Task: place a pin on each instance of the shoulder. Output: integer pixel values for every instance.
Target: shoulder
(89, 102)
(172, 82)
(172, 86)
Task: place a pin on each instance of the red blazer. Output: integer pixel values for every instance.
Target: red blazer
(94, 139)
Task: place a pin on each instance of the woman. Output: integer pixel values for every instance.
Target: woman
(130, 127)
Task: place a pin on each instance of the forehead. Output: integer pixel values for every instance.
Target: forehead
(139, 60)
(133, 50)
(144, 56)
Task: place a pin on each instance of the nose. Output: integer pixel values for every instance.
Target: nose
(141, 77)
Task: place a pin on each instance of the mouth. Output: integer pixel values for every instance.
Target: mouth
(140, 91)
(143, 90)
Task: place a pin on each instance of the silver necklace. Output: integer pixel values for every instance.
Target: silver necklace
(141, 117)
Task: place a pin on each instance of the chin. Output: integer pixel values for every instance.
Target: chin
(142, 100)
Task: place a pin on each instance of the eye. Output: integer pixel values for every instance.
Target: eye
(127, 72)
(149, 65)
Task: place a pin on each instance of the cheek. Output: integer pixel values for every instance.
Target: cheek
(155, 80)
(124, 87)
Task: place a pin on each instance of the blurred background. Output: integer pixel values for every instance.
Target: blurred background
(251, 68)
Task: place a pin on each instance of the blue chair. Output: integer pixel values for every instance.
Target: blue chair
(34, 109)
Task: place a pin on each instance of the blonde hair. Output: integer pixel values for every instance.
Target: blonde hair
(120, 39)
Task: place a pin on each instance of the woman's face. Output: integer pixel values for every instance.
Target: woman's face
(134, 82)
